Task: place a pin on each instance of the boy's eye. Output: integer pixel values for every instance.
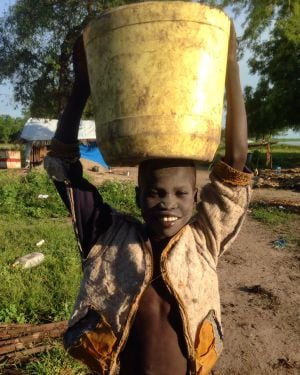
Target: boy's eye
(153, 193)
(181, 193)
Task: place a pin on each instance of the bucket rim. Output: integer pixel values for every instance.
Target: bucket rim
(107, 21)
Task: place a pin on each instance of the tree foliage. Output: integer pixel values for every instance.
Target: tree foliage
(36, 40)
(274, 104)
(10, 128)
(272, 33)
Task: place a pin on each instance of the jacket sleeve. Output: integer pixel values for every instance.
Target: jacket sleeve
(90, 215)
(223, 207)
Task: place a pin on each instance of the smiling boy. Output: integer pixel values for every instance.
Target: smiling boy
(149, 298)
(166, 195)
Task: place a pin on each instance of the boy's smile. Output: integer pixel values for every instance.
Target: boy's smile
(167, 197)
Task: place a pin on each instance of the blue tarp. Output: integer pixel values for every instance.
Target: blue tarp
(91, 152)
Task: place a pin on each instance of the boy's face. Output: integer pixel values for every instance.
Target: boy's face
(167, 198)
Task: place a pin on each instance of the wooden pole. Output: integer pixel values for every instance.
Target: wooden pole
(22, 340)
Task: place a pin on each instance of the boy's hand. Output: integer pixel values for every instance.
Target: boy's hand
(236, 139)
(80, 66)
(68, 125)
(232, 44)
(232, 60)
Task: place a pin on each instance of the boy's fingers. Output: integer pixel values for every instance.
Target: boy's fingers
(80, 63)
(232, 45)
(232, 28)
(78, 50)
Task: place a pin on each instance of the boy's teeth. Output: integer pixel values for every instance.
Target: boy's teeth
(169, 218)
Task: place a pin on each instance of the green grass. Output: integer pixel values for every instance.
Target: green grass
(44, 293)
(54, 362)
(284, 222)
(287, 139)
(273, 215)
(284, 156)
(120, 196)
(12, 146)
(19, 195)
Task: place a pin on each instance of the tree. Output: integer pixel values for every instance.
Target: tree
(36, 40)
(274, 104)
(272, 33)
(10, 128)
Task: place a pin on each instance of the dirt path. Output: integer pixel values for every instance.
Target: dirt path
(259, 288)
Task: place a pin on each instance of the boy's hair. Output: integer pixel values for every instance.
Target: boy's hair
(146, 166)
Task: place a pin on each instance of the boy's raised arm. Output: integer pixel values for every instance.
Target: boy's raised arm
(68, 125)
(90, 215)
(236, 137)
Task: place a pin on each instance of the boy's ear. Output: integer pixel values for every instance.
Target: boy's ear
(196, 195)
(137, 196)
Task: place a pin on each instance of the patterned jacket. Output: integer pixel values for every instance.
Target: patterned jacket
(118, 269)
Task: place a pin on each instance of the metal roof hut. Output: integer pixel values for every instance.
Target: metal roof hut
(37, 135)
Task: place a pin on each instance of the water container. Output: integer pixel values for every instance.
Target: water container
(157, 76)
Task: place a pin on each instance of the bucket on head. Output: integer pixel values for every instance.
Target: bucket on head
(157, 76)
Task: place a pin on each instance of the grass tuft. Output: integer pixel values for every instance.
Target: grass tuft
(282, 221)
(55, 362)
(19, 195)
(121, 196)
(44, 293)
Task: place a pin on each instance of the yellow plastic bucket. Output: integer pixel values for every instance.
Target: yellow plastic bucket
(157, 75)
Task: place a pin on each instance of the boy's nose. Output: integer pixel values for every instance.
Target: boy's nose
(168, 202)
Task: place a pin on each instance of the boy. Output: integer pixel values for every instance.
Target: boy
(149, 299)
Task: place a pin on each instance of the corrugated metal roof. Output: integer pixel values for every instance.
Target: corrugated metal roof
(44, 129)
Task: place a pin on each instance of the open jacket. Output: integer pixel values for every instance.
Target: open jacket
(118, 269)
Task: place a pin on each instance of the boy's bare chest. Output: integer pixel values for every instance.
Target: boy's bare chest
(156, 303)
(156, 340)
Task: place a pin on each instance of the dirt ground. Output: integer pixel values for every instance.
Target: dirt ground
(259, 288)
(259, 292)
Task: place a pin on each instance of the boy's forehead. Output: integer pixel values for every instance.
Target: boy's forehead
(167, 172)
(181, 172)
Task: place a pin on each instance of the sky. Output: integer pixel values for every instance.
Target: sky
(10, 107)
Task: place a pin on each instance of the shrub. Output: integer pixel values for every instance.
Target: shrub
(19, 195)
(121, 196)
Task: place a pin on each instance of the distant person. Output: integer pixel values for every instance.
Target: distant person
(149, 297)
